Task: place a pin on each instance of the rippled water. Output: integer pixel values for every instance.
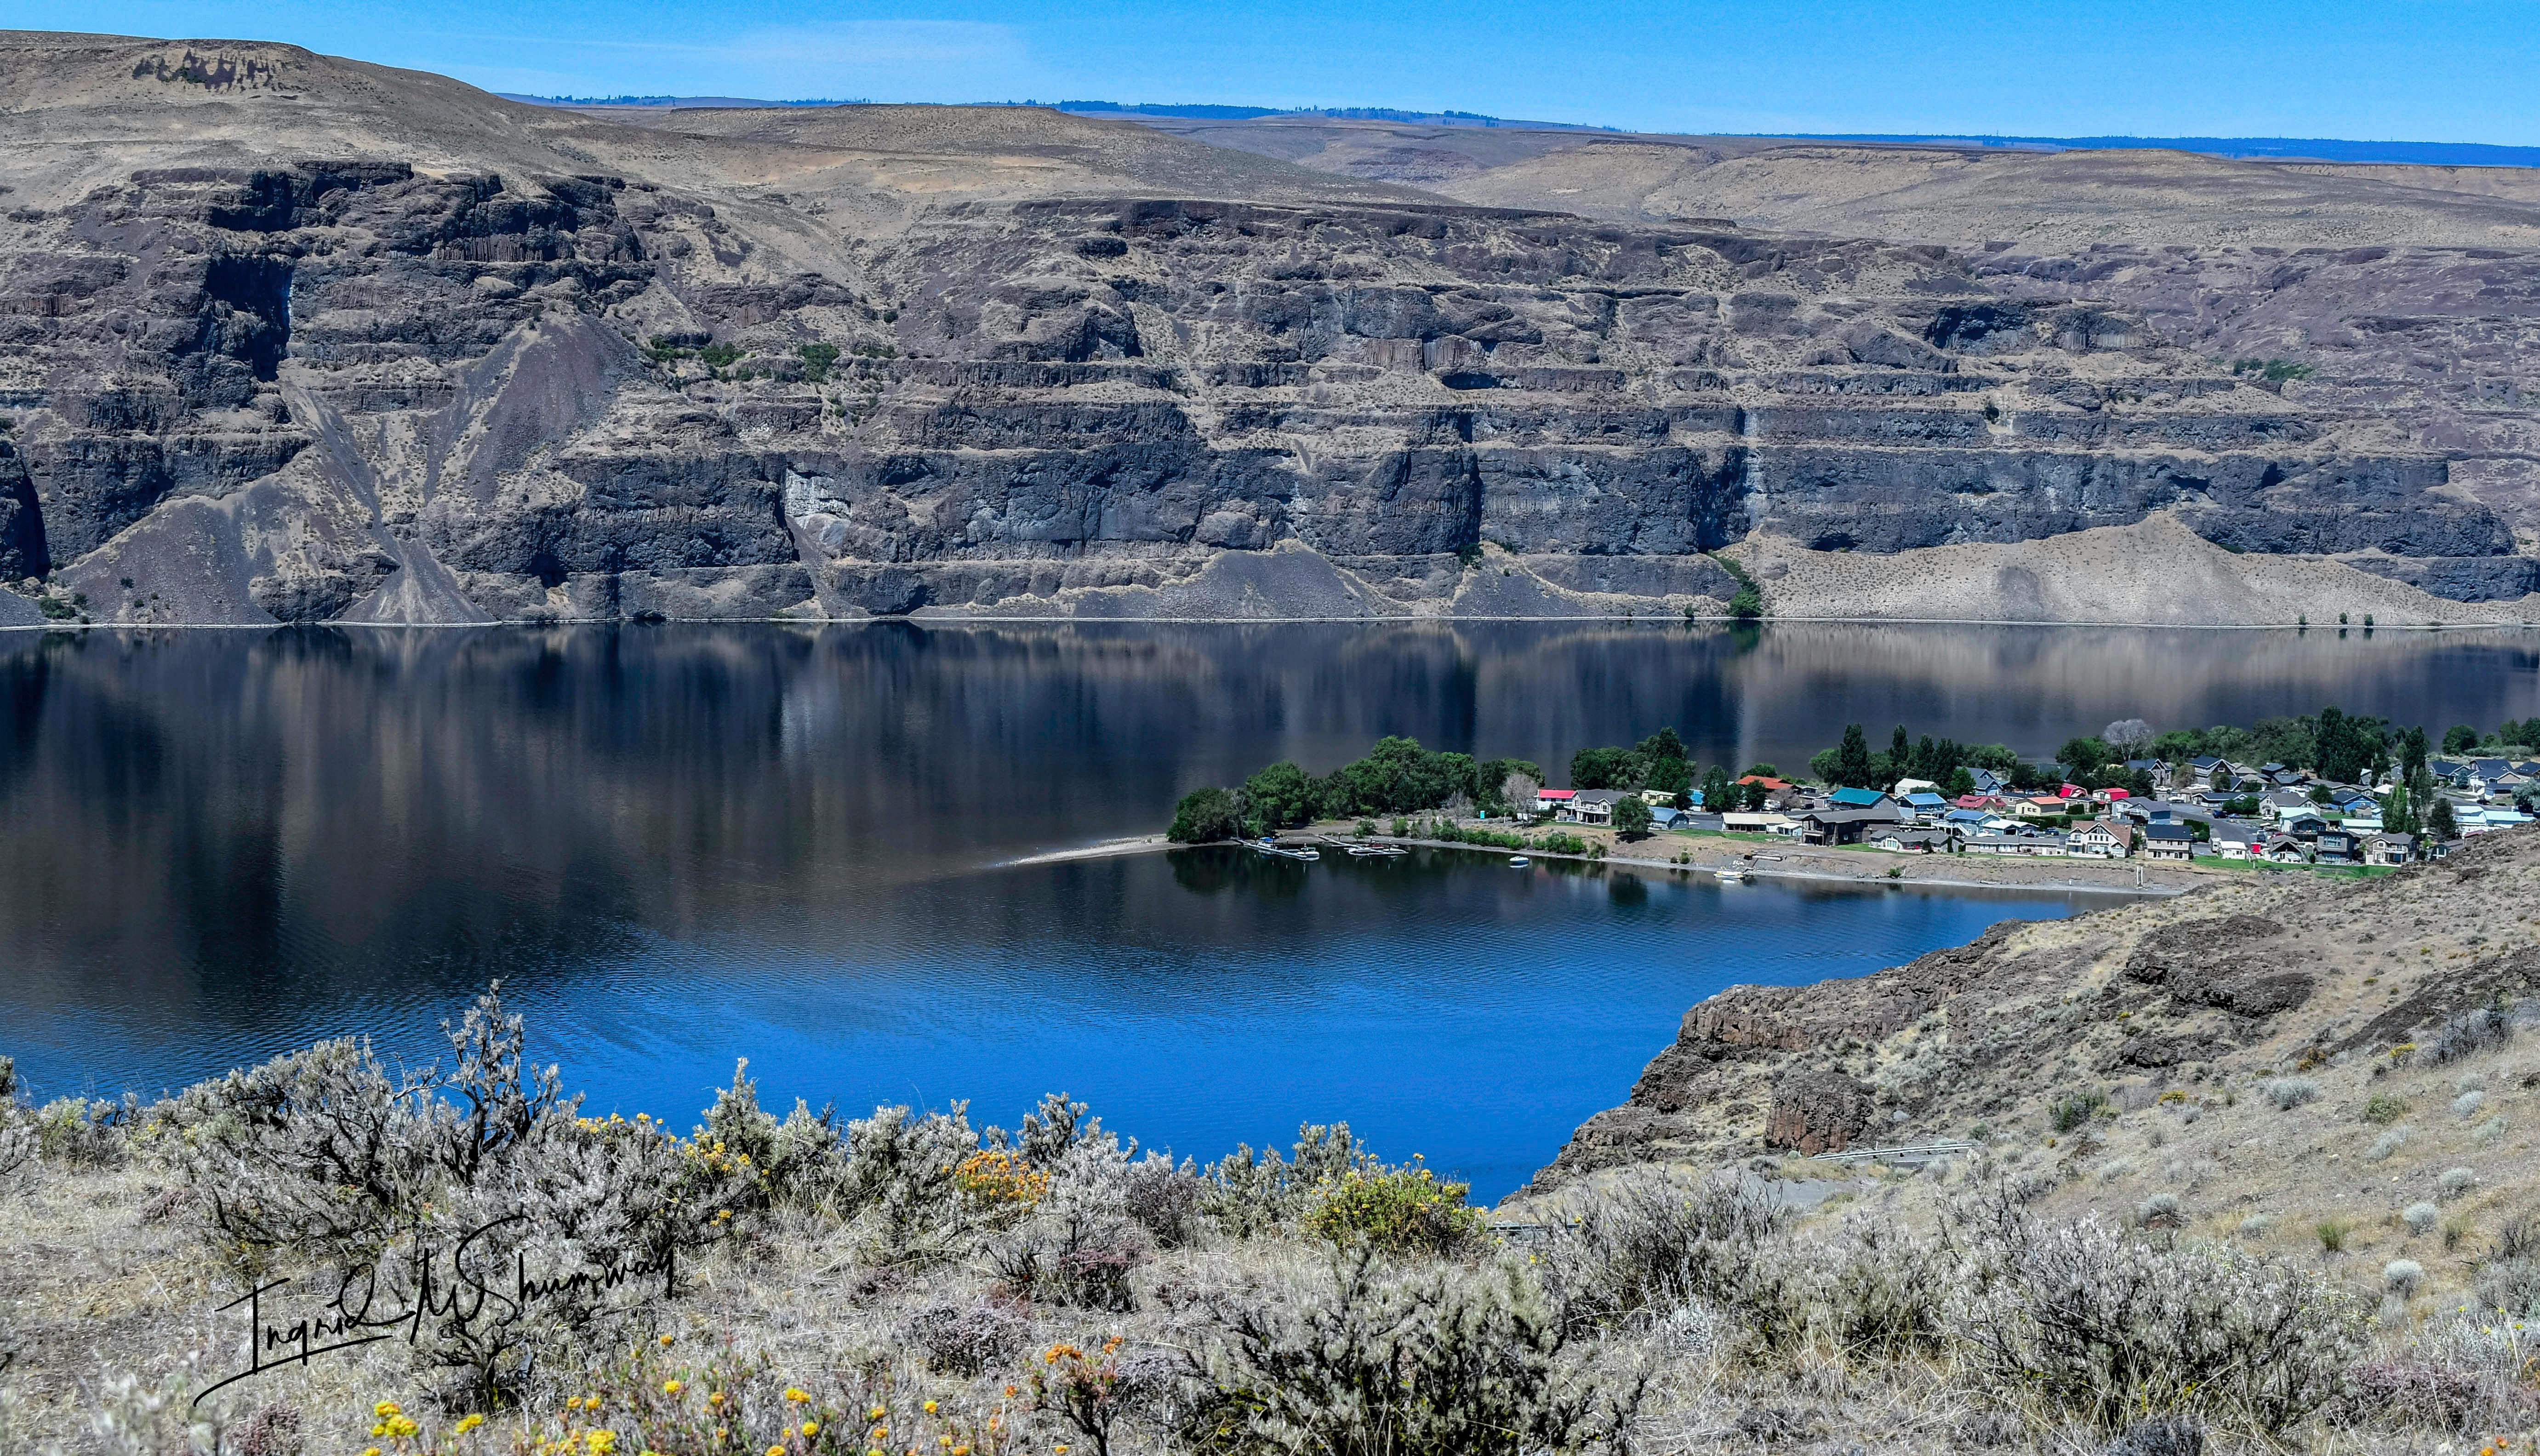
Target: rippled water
(682, 845)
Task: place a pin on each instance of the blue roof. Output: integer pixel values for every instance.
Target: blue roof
(1924, 800)
(1857, 798)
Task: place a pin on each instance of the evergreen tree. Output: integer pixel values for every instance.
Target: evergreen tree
(2439, 822)
(2412, 754)
(2459, 738)
(1851, 760)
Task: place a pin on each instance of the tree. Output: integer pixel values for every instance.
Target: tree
(1851, 760)
(2459, 738)
(1631, 817)
(1959, 782)
(1717, 789)
(1205, 815)
(1511, 781)
(2130, 737)
(1604, 768)
(2085, 759)
(1280, 796)
(1900, 751)
(2399, 813)
(1671, 775)
(1758, 798)
(2439, 822)
(2412, 754)
(2346, 746)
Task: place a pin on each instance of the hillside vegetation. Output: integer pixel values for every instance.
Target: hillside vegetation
(2249, 1174)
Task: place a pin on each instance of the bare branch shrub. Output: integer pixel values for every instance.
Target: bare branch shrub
(2108, 1327)
(1364, 1359)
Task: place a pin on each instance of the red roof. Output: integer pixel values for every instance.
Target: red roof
(1555, 792)
(1774, 784)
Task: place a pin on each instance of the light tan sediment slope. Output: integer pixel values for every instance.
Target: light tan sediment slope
(84, 110)
(2155, 573)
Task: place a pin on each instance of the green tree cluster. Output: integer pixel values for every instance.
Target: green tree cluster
(1851, 764)
(1397, 777)
(1658, 761)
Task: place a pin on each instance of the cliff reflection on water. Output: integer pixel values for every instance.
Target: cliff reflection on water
(683, 843)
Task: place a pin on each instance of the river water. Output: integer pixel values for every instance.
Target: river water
(682, 845)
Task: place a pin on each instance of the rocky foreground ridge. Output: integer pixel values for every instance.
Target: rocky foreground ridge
(297, 340)
(2171, 1003)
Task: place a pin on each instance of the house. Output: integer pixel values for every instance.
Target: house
(2236, 841)
(1838, 826)
(1987, 781)
(2305, 827)
(1705, 823)
(2169, 842)
(1898, 839)
(2389, 849)
(1595, 806)
(2274, 807)
(1553, 801)
(1668, 816)
(2339, 847)
(2480, 820)
(2015, 844)
(1771, 785)
(1659, 798)
(1925, 807)
(2280, 849)
(2039, 806)
(1857, 799)
(2099, 839)
(1759, 823)
(1905, 787)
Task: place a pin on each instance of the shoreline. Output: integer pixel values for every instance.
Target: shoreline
(2077, 877)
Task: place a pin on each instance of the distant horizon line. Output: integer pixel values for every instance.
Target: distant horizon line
(2341, 150)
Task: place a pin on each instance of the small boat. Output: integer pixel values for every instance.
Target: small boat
(1287, 851)
(1376, 851)
(1732, 876)
(1518, 862)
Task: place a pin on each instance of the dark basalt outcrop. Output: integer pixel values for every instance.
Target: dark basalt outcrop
(369, 390)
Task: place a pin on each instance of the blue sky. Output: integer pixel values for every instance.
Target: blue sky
(2416, 70)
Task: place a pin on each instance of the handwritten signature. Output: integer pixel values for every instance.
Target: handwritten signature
(462, 1300)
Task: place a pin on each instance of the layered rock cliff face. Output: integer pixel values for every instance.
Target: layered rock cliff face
(385, 388)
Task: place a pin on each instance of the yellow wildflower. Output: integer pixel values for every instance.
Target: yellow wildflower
(776, 1451)
(468, 1423)
(875, 1414)
(716, 1399)
(796, 1395)
(600, 1442)
(811, 1428)
(671, 1387)
(372, 1451)
(384, 1409)
(666, 1342)
(929, 1407)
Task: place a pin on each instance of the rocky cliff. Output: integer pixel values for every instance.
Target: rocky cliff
(297, 339)
(2285, 974)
